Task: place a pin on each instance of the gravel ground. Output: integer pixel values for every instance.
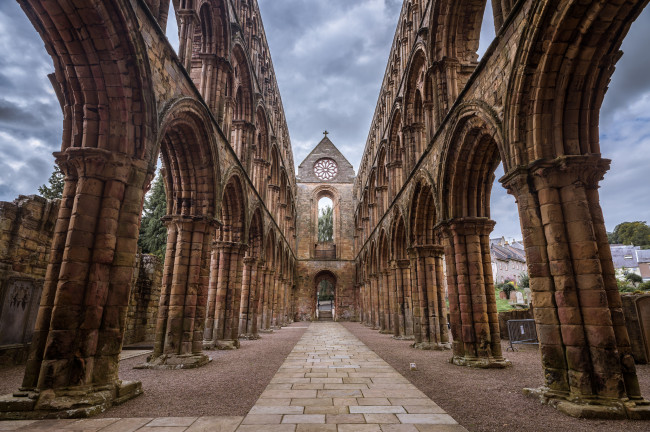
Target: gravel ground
(488, 400)
(227, 386)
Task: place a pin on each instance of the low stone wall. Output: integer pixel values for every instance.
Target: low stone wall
(504, 317)
(145, 297)
(26, 231)
(636, 308)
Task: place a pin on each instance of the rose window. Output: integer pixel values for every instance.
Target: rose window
(326, 169)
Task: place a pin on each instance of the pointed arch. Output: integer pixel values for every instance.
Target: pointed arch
(233, 211)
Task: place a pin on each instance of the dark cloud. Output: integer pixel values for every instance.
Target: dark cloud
(329, 58)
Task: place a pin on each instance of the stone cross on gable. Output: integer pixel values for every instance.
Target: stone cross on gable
(325, 133)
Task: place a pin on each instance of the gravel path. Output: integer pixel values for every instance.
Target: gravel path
(227, 386)
(488, 400)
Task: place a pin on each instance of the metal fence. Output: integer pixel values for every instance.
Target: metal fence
(522, 332)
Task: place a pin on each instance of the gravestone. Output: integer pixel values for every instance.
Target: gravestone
(519, 297)
(503, 295)
(528, 294)
(18, 313)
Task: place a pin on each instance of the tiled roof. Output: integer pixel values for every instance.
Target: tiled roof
(624, 256)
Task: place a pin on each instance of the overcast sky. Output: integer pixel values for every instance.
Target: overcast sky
(329, 58)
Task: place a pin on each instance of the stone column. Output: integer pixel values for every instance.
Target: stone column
(368, 301)
(588, 368)
(273, 198)
(227, 302)
(188, 19)
(266, 301)
(258, 287)
(429, 308)
(212, 297)
(374, 285)
(182, 312)
(385, 323)
(72, 366)
(404, 298)
(248, 298)
(472, 302)
(275, 308)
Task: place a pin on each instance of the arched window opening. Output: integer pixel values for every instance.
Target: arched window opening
(325, 220)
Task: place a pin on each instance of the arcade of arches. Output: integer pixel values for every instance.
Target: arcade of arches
(242, 253)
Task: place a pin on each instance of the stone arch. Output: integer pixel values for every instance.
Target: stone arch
(382, 182)
(186, 143)
(326, 250)
(553, 108)
(423, 211)
(395, 151)
(400, 267)
(233, 210)
(102, 75)
(242, 128)
(123, 65)
(568, 55)
(206, 46)
(329, 277)
(415, 125)
(262, 151)
(455, 29)
(471, 155)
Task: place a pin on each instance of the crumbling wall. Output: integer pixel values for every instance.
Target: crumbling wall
(26, 231)
(145, 296)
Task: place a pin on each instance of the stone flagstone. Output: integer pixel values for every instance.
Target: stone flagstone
(330, 381)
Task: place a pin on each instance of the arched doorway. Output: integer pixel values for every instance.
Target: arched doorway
(325, 296)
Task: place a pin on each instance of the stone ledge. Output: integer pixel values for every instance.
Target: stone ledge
(481, 363)
(175, 361)
(435, 346)
(592, 408)
(66, 403)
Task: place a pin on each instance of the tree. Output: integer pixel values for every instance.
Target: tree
(633, 278)
(524, 280)
(55, 188)
(153, 234)
(326, 225)
(634, 233)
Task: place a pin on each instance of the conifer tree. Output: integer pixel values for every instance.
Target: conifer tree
(54, 188)
(326, 224)
(153, 233)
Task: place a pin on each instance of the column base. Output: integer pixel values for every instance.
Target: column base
(594, 407)
(385, 331)
(249, 336)
(175, 361)
(481, 362)
(435, 346)
(265, 330)
(75, 402)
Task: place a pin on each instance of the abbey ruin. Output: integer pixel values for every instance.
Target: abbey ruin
(409, 255)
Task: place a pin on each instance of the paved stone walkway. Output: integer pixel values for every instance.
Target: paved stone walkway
(330, 382)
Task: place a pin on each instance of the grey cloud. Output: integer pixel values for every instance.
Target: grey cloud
(329, 59)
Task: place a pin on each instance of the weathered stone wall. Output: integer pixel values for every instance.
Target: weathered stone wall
(145, 296)
(26, 229)
(305, 298)
(310, 263)
(635, 325)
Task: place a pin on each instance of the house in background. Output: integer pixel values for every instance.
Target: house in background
(630, 259)
(508, 260)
